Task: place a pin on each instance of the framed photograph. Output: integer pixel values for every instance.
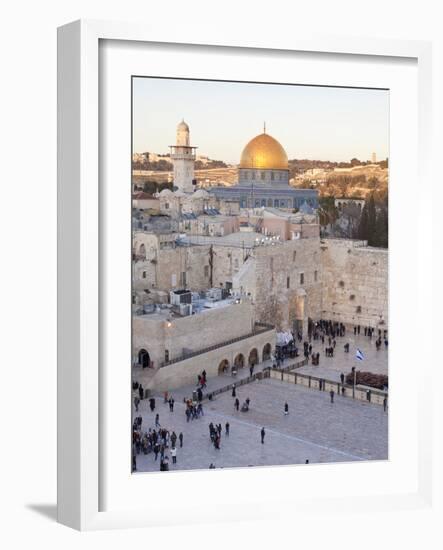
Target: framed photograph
(233, 274)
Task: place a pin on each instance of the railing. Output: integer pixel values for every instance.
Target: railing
(261, 330)
(318, 383)
(265, 373)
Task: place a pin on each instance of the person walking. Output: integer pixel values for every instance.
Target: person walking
(157, 420)
(233, 391)
(237, 403)
(156, 450)
(331, 393)
(342, 378)
(136, 403)
(251, 370)
(227, 428)
(385, 403)
(152, 404)
(174, 455)
(180, 438)
(140, 392)
(262, 434)
(286, 409)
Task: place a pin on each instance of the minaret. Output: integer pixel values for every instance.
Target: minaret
(183, 158)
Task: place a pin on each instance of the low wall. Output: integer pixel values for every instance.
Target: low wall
(313, 382)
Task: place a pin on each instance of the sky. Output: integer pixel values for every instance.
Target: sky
(310, 122)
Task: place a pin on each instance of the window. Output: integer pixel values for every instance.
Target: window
(166, 205)
(253, 175)
(272, 176)
(263, 175)
(288, 282)
(302, 278)
(206, 271)
(294, 255)
(315, 276)
(144, 274)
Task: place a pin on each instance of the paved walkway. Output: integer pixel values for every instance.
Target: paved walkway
(315, 429)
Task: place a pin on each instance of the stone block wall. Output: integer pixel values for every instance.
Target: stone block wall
(355, 283)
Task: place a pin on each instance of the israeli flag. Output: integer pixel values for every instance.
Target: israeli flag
(359, 355)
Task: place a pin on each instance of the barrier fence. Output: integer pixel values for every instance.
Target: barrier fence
(370, 395)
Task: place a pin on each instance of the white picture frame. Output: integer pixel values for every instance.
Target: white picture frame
(80, 256)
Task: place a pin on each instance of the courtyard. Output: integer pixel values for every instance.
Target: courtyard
(315, 429)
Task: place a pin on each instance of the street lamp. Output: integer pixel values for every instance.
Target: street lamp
(353, 382)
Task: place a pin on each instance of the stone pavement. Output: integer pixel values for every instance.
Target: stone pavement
(331, 367)
(315, 429)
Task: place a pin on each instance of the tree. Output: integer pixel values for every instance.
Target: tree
(362, 232)
(327, 211)
(372, 219)
(381, 228)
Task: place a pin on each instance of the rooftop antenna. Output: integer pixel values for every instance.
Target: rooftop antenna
(264, 127)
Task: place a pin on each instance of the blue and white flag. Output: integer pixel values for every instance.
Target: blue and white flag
(359, 355)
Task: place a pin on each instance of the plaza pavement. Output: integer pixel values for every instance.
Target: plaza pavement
(331, 367)
(315, 429)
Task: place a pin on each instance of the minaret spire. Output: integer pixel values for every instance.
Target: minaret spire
(264, 127)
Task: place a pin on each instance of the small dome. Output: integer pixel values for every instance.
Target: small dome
(165, 193)
(264, 153)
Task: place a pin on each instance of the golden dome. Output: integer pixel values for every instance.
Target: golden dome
(265, 153)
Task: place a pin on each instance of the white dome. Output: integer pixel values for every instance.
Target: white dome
(165, 193)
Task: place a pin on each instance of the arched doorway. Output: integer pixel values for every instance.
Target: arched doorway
(266, 352)
(223, 366)
(253, 357)
(239, 361)
(143, 358)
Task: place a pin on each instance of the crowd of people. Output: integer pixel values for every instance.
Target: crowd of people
(161, 442)
(156, 441)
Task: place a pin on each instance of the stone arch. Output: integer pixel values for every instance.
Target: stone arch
(223, 366)
(253, 357)
(266, 352)
(144, 359)
(239, 361)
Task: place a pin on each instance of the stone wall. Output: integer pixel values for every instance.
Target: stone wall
(185, 372)
(192, 333)
(285, 282)
(355, 282)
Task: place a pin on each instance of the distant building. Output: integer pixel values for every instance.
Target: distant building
(373, 158)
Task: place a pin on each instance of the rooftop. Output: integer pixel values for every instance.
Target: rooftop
(239, 239)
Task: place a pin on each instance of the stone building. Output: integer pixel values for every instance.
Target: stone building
(221, 335)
